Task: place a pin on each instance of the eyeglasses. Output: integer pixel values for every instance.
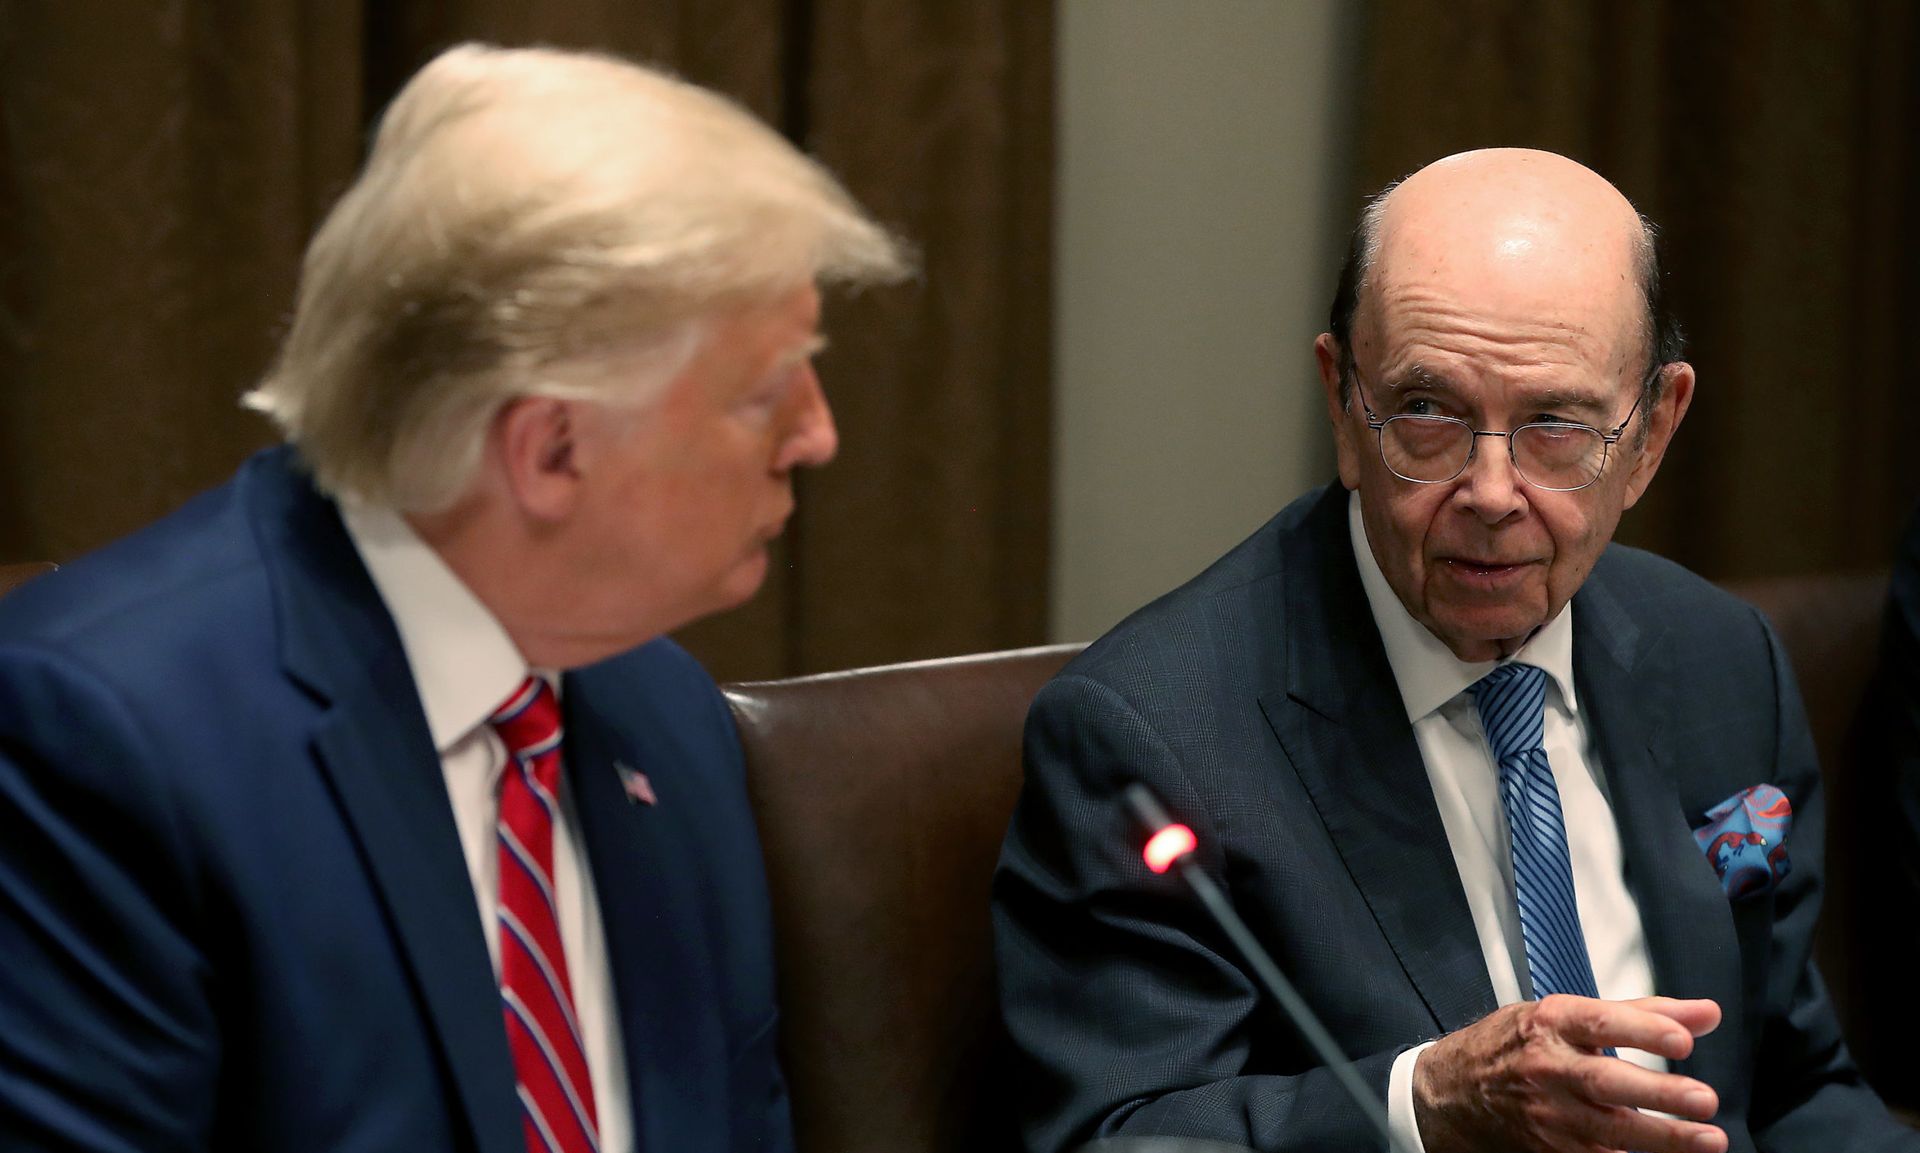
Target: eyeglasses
(1556, 455)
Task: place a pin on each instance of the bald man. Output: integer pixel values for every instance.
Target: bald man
(1531, 819)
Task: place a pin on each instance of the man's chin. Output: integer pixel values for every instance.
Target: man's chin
(745, 580)
(1483, 636)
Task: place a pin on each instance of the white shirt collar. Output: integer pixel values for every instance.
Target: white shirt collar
(464, 664)
(1428, 673)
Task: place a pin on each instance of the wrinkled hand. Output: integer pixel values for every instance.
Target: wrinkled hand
(1533, 1076)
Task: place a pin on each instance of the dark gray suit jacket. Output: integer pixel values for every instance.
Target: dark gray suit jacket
(1258, 701)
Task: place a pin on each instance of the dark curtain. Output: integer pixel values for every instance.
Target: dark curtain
(164, 163)
(1778, 146)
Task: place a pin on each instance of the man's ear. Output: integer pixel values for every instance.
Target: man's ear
(1326, 354)
(537, 439)
(1662, 421)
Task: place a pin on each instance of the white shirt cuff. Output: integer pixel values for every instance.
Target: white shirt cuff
(1400, 1118)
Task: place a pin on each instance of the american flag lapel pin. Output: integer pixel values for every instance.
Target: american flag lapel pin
(635, 784)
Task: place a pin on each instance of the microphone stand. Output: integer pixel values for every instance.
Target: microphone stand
(1148, 811)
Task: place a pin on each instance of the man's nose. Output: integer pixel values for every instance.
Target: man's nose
(812, 440)
(1492, 487)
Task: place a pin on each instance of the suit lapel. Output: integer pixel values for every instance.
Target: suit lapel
(1343, 726)
(1689, 929)
(652, 915)
(372, 744)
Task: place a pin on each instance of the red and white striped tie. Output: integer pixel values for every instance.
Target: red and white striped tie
(549, 1060)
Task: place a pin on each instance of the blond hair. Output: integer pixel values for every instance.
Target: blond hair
(523, 213)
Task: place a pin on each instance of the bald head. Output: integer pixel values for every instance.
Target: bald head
(1517, 236)
(1511, 294)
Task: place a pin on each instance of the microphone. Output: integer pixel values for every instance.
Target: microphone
(1170, 845)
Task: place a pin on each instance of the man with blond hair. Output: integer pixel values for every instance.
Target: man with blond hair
(1531, 820)
(360, 804)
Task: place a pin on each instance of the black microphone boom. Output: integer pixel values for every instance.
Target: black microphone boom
(1149, 812)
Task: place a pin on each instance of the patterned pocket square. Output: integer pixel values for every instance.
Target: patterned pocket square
(1745, 840)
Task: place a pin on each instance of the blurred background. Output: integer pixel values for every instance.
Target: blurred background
(1130, 213)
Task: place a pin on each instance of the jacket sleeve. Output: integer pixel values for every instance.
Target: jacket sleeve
(1129, 1013)
(110, 1041)
(762, 1107)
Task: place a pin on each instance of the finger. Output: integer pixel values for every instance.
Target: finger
(1619, 1128)
(1594, 1024)
(1698, 1017)
(1611, 1081)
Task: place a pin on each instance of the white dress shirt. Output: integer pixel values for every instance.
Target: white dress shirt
(465, 666)
(1433, 685)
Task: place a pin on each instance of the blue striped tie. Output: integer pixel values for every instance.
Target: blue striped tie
(1511, 699)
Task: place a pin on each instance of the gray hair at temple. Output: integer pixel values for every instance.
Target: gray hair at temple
(529, 221)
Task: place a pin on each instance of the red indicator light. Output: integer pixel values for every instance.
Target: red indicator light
(1167, 846)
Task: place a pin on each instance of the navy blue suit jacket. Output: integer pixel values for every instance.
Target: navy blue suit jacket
(234, 913)
(1258, 701)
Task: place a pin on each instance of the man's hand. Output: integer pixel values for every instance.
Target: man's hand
(1533, 1076)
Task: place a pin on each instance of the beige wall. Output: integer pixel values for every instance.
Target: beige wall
(1201, 210)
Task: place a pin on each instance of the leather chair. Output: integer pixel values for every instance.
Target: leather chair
(883, 794)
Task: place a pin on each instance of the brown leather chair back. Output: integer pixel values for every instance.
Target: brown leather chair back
(12, 576)
(883, 795)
